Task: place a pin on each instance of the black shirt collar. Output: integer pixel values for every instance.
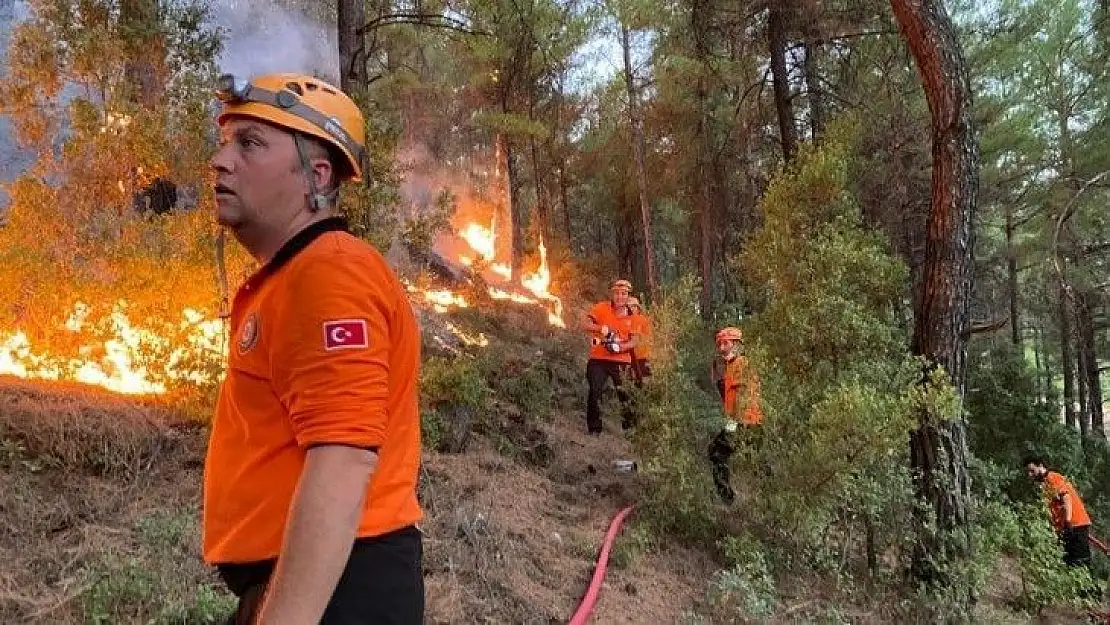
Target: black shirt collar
(303, 239)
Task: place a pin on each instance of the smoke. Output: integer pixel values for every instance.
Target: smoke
(261, 36)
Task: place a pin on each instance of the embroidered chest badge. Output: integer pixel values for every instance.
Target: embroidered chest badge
(248, 334)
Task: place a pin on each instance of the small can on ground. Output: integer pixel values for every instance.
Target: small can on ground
(624, 466)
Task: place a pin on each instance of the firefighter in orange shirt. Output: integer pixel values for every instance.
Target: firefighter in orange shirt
(310, 506)
(641, 354)
(610, 358)
(739, 389)
(1069, 515)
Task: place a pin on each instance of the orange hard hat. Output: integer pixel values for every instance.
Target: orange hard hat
(300, 103)
(730, 334)
(621, 284)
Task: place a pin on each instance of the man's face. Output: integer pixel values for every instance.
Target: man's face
(619, 296)
(726, 347)
(258, 176)
(1035, 472)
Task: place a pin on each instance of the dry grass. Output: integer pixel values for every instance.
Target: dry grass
(84, 429)
(98, 523)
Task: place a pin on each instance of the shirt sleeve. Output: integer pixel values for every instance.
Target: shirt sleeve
(331, 353)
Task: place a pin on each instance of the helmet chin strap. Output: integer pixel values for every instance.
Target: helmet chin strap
(316, 200)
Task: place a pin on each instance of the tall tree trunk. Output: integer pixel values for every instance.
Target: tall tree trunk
(776, 42)
(564, 193)
(1012, 280)
(350, 18)
(515, 212)
(814, 92)
(1067, 362)
(540, 180)
(1084, 315)
(1081, 388)
(641, 173)
(1038, 366)
(938, 447)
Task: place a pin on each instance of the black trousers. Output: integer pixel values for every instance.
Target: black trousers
(382, 584)
(720, 451)
(1077, 549)
(598, 372)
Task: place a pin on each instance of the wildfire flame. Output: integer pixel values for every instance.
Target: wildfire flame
(483, 242)
(114, 364)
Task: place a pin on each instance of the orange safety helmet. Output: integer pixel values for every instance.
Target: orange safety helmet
(730, 334)
(301, 103)
(621, 284)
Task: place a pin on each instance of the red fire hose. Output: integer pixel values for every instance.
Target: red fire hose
(587, 605)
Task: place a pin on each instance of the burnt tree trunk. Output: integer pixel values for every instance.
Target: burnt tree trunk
(1067, 362)
(776, 42)
(938, 447)
(638, 149)
(1085, 324)
(540, 181)
(1012, 280)
(1081, 390)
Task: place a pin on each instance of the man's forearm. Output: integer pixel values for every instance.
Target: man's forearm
(320, 532)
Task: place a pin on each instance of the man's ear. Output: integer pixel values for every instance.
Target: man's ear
(323, 174)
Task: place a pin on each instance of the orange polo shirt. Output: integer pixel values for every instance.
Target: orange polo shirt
(603, 313)
(325, 349)
(1055, 489)
(742, 392)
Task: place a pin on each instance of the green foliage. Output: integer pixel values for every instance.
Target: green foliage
(745, 588)
(838, 384)
(1009, 421)
(457, 381)
(1022, 531)
(158, 581)
(671, 436)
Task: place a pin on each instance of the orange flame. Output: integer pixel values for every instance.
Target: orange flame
(120, 368)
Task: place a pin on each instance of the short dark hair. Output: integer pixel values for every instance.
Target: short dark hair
(1036, 459)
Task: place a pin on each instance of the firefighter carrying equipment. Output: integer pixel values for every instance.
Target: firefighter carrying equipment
(1056, 489)
(603, 314)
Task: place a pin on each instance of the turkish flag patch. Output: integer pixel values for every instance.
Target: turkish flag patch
(345, 334)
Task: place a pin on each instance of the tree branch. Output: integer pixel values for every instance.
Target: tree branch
(1066, 214)
(986, 326)
(431, 20)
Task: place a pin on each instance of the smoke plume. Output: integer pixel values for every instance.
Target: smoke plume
(262, 36)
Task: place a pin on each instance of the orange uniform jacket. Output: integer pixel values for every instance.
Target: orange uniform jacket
(325, 349)
(742, 392)
(1055, 489)
(603, 313)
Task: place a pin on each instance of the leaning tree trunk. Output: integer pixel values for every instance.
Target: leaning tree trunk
(641, 173)
(938, 447)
